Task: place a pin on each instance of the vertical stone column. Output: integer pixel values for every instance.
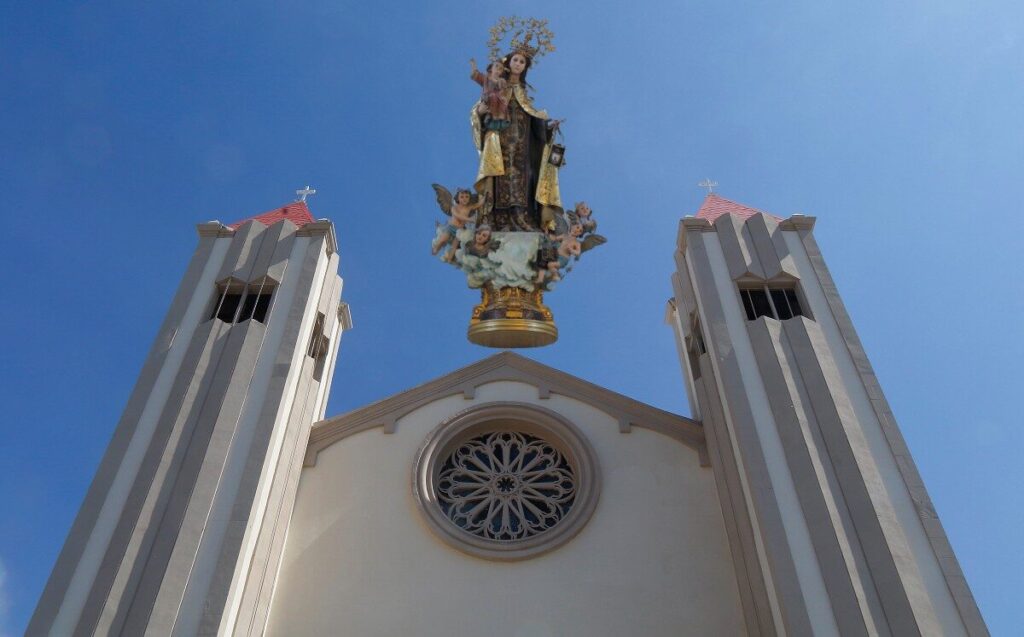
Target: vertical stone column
(831, 529)
(169, 536)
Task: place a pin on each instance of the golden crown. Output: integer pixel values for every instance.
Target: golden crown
(529, 36)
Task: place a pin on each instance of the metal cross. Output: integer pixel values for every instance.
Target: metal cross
(707, 183)
(305, 192)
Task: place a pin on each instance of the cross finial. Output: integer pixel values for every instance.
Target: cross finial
(305, 192)
(710, 185)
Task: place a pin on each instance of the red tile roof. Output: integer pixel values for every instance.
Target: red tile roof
(296, 212)
(715, 206)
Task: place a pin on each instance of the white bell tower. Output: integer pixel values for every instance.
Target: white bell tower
(181, 530)
(831, 529)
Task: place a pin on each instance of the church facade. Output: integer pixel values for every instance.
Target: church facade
(508, 498)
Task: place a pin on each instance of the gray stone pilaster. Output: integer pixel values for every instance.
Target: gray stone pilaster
(758, 230)
(739, 253)
(294, 338)
(750, 577)
(884, 551)
(123, 563)
(251, 247)
(805, 461)
(241, 256)
(262, 576)
(68, 560)
(192, 488)
(955, 580)
(828, 412)
(272, 261)
(736, 404)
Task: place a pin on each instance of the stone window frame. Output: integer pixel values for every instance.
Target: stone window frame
(506, 416)
(767, 288)
(248, 300)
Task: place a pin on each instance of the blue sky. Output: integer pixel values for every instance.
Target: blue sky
(898, 125)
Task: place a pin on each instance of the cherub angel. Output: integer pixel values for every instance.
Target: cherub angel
(461, 208)
(567, 247)
(555, 230)
(482, 242)
(494, 94)
(552, 271)
(582, 213)
(582, 227)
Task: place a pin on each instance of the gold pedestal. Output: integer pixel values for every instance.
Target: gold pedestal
(511, 318)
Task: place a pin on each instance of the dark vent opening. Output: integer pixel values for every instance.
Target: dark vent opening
(228, 307)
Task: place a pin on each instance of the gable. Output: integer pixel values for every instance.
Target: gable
(507, 366)
(640, 548)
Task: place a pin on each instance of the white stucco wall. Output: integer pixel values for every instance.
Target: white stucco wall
(361, 561)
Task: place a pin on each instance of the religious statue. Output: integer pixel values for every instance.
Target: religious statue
(510, 235)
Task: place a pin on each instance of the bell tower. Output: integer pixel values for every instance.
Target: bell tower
(182, 528)
(831, 528)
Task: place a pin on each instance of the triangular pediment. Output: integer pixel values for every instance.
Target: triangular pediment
(506, 366)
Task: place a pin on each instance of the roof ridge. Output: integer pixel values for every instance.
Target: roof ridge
(715, 205)
(297, 212)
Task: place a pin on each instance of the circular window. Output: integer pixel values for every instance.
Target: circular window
(506, 481)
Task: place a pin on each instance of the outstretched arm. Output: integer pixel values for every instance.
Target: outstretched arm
(475, 74)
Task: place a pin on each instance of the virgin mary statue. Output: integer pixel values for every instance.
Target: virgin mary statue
(518, 183)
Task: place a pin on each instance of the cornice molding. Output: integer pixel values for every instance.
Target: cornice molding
(214, 229)
(798, 222)
(320, 228)
(507, 366)
(700, 224)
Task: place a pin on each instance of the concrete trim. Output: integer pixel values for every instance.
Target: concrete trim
(188, 484)
(117, 580)
(872, 518)
(254, 606)
(750, 578)
(345, 315)
(738, 413)
(168, 566)
(798, 222)
(214, 229)
(674, 319)
(272, 259)
(506, 366)
(761, 230)
(321, 228)
(273, 404)
(743, 261)
(220, 552)
(687, 224)
(245, 245)
(950, 566)
(835, 557)
(69, 560)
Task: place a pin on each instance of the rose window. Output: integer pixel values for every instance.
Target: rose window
(506, 481)
(506, 486)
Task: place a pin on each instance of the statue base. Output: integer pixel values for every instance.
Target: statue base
(511, 318)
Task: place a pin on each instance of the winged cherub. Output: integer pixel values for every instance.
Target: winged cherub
(582, 213)
(460, 209)
(482, 242)
(550, 269)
